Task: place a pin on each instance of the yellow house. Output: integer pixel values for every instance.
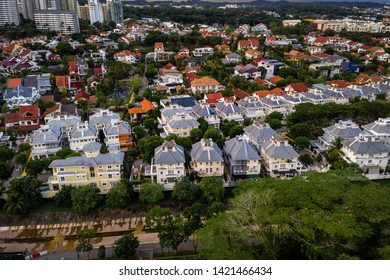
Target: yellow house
(100, 170)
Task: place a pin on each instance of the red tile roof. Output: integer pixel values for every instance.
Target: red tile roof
(81, 95)
(146, 105)
(52, 109)
(240, 94)
(298, 87)
(14, 82)
(212, 98)
(275, 79)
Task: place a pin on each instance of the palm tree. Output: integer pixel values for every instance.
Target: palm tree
(14, 203)
(333, 152)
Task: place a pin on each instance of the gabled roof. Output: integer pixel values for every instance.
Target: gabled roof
(52, 109)
(89, 161)
(366, 145)
(240, 94)
(14, 82)
(275, 148)
(298, 87)
(259, 133)
(206, 151)
(62, 81)
(204, 81)
(81, 95)
(275, 79)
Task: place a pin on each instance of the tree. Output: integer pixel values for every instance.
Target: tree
(126, 246)
(21, 159)
(275, 123)
(306, 159)
(63, 198)
(196, 134)
(332, 154)
(102, 252)
(34, 168)
(120, 195)
(193, 216)
(85, 198)
(274, 115)
(151, 125)
(236, 130)
(139, 131)
(24, 147)
(84, 239)
(185, 142)
(301, 143)
(147, 146)
(214, 134)
(299, 130)
(212, 188)
(6, 153)
(150, 193)
(5, 171)
(184, 189)
(65, 153)
(23, 195)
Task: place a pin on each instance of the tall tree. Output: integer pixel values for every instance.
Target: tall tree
(120, 195)
(63, 198)
(126, 246)
(212, 188)
(84, 239)
(184, 189)
(85, 198)
(151, 193)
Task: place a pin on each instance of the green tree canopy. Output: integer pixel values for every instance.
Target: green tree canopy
(85, 199)
(63, 198)
(120, 195)
(84, 239)
(184, 189)
(126, 246)
(151, 193)
(212, 188)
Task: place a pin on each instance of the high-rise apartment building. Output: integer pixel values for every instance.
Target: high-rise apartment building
(115, 11)
(83, 12)
(95, 11)
(105, 12)
(26, 8)
(68, 4)
(9, 13)
(63, 21)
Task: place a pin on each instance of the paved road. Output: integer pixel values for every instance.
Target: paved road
(72, 255)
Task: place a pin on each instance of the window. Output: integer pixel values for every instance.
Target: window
(62, 179)
(109, 176)
(104, 184)
(62, 169)
(109, 166)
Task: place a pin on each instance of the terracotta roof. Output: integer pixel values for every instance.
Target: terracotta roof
(97, 70)
(11, 118)
(14, 82)
(204, 81)
(49, 97)
(260, 81)
(212, 98)
(73, 66)
(298, 87)
(158, 45)
(240, 94)
(62, 81)
(52, 109)
(146, 105)
(338, 83)
(275, 79)
(135, 110)
(277, 91)
(81, 94)
(261, 93)
(161, 88)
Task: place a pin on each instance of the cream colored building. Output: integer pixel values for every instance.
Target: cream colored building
(102, 171)
(180, 125)
(206, 159)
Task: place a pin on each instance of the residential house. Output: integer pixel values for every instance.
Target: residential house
(127, 56)
(232, 58)
(201, 52)
(208, 113)
(28, 118)
(180, 125)
(345, 130)
(248, 44)
(317, 97)
(379, 128)
(170, 78)
(295, 87)
(102, 171)
(20, 96)
(118, 135)
(241, 158)
(63, 82)
(212, 98)
(228, 111)
(102, 118)
(143, 108)
(65, 123)
(279, 159)
(248, 71)
(293, 100)
(252, 54)
(274, 103)
(370, 153)
(168, 164)
(45, 141)
(206, 159)
(205, 85)
(252, 108)
(259, 133)
(60, 110)
(272, 66)
(82, 134)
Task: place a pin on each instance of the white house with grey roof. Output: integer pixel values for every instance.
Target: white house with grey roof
(317, 97)
(82, 134)
(379, 128)
(343, 129)
(294, 99)
(65, 123)
(20, 96)
(338, 97)
(228, 111)
(168, 164)
(169, 112)
(113, 131)
(208, 113)
(45, 141)
(252, 108)
(279, 159)
(180, 125)
(274, 103)
(102, 118)
(241, 158)
(370, 153)
(206, 158)
(258, 133)
(102, 171)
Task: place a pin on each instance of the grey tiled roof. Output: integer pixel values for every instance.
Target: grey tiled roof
(68, 122)
(278, 151)
(105, 119)
(206, 151)
(273, 101)
(88, 131)
(183, 123)
(259, 133)
(113, 129)
(172, 111)
(89, 161)
(203, 110)
(250, 103)
(46, 134)
(169, 153)
(366, 146)
(228, 108)
(344, 130)
(380, 127)
(31, 81)
(295, 98)
(240, 149)
(91, 147)
(317, 97)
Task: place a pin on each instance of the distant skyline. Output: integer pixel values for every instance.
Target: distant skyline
(386, 2)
